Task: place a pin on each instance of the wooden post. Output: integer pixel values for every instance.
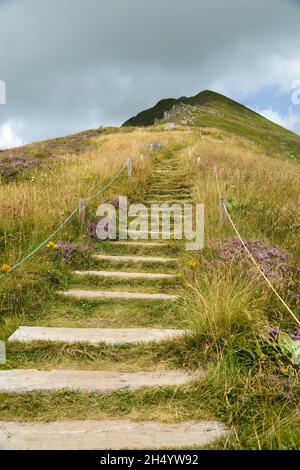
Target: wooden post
(81, 212)
(129, 165)
(222, 211)
(2, 352)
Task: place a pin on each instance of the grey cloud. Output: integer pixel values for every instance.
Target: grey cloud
(73, 64)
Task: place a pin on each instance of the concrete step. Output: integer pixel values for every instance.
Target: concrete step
(161, 186)
(162, 198)
(98, 294)
(142, 244)
(27, 334)
(29, 380)
(160, 193)
(170, 203)
(108, 435)
(125, 275)
(135, 259)
(144, 235)
(146, 218)
(160, 203)
(167, 194)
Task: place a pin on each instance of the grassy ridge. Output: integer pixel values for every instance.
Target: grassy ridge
(210, 109)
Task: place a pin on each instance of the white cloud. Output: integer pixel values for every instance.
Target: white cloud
(9, 137)
(289, 121)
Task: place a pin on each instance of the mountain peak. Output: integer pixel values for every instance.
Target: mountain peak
(151, 115)
(211, 109)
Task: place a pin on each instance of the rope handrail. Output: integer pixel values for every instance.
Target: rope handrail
(214, 169)
(259, 268)
(249, 252)
(41, 245)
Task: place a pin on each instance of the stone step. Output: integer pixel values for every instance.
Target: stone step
(135, 259)
(163, 197)
(162, 186)
(170, 203)
(161, 209)
(161, 193)
(162, 216)
(30, 380)
(125, 275)
(108, 435)
(164, 176)
(27, 334)
(170, 166)
(165, 185)
(144, 235)
(145, 218)
(142, 244)
(98, 294)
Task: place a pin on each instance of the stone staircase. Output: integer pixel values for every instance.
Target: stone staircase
(110, 434)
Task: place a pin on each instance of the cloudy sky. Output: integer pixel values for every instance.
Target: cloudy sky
(70, 65)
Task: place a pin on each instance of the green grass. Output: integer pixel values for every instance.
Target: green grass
(124, 358)
(214, 110)
(260, 414)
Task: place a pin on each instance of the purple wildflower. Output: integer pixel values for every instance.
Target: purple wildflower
(295, 334)
(155, 145)
(116, 202)
(274, 331)
(68, 249)
(273, 261)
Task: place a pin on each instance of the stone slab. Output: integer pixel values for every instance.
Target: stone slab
(125, 275)
(97, 294)
(111, 336)
(30, 380)
(108, 435)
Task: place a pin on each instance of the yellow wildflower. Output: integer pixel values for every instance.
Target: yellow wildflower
(52, 245)
(88, 177)
(191, 264)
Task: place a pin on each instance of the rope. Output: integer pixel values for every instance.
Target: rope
(108, 184)
(214, 169)
(252, 257)
(41, 245)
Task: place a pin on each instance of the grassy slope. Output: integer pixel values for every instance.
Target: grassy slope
(215, 110)
(253, 390)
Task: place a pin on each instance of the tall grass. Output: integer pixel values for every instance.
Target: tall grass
(250, 384)
(265, 188)
(30, 210)
(247, 384)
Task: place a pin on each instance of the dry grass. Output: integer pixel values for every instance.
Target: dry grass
(267, 188)
(225, 309)
(29, 210)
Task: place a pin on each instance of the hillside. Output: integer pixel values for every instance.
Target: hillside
(112, 335)
(210, 109)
